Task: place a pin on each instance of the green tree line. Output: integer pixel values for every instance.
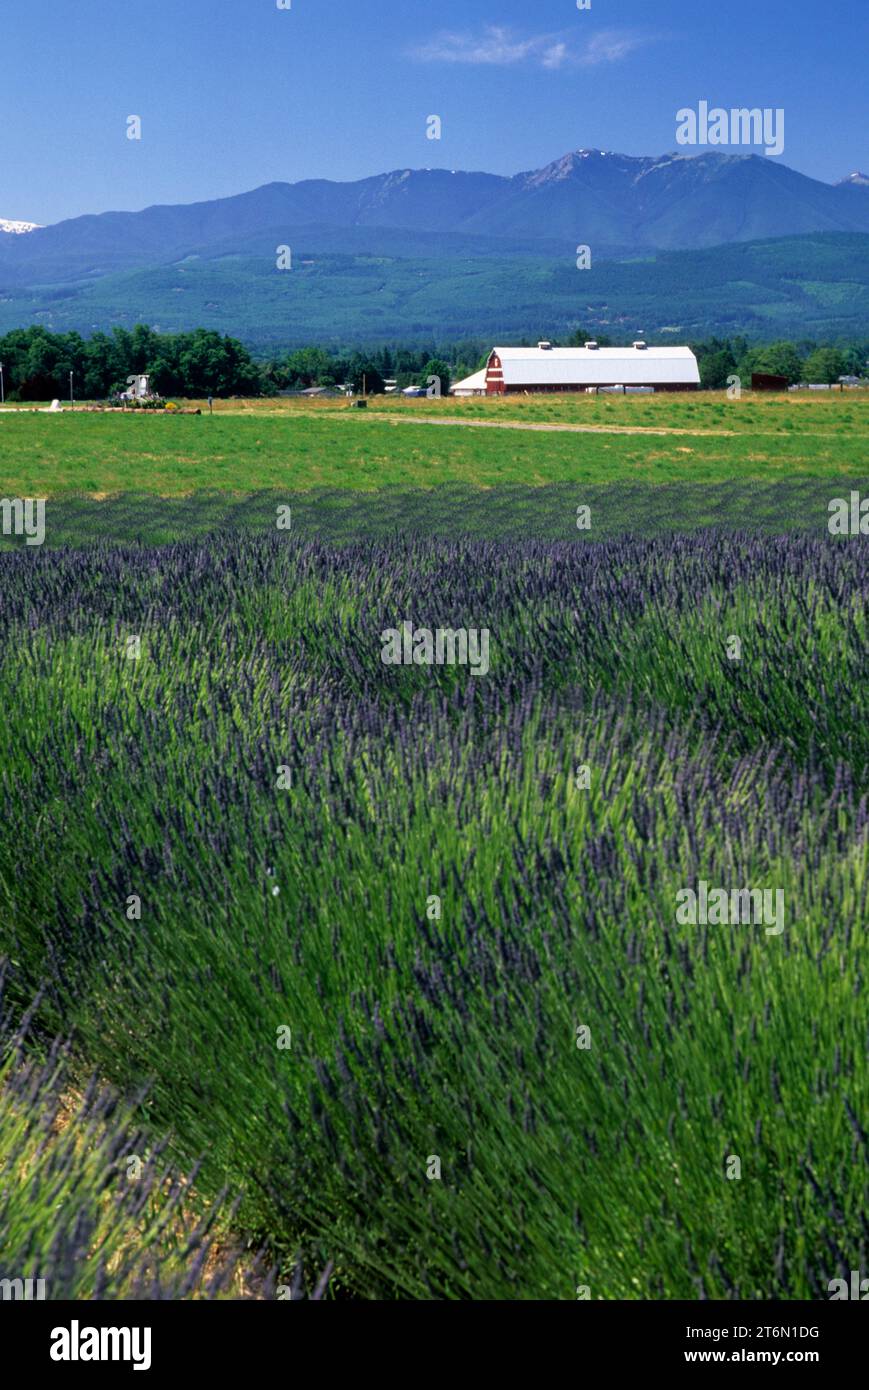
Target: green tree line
(717, 358)
(370, 370)
(37, 363)
(807, 361)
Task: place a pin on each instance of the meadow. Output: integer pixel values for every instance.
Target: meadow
(379, 968)
(701, 410)
(250, 446)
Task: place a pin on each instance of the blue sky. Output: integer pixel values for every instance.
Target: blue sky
(236, 93)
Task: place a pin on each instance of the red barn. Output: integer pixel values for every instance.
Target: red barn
(515, 370)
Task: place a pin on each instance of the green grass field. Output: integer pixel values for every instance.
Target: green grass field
(248, 447)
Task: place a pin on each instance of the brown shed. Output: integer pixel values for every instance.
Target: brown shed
(767, 381)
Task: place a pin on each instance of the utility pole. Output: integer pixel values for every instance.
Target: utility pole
(2, 387)
(71, 401)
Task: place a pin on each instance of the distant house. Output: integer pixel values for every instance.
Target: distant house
(512, 370)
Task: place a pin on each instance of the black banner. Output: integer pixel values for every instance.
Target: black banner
(162, 1339)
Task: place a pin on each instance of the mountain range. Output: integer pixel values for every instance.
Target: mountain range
(86, 271)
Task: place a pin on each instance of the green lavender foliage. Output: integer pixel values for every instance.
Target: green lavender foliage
(89, 1204)
(415, 1036)
(508, 511)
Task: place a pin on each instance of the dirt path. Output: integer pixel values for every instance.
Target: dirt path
(552, 429)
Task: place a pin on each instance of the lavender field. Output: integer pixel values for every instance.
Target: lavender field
(395, 953)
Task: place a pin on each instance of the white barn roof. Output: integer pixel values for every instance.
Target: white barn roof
(525, 366)
(477, 382)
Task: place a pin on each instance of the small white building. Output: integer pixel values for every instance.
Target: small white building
(471, 386)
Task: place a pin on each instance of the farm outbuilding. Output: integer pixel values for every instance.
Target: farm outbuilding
(513, 370)
(471, 386)
(768, 381)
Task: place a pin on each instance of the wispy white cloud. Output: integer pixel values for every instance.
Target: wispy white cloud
(610, 46)
(495, 46)
(498, 46)
(556, 56)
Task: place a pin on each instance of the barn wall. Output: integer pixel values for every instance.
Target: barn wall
(494, 376)
(536, 390)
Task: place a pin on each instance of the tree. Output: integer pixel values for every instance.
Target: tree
(715, 368)
(855, 360)
(310, 366)
(778, 359)
(435, 377)
(825, 365)
(43, 367)
(385, 362)
(366, 379)
(581, 336)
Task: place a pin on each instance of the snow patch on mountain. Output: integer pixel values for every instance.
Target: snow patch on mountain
(17, 228)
